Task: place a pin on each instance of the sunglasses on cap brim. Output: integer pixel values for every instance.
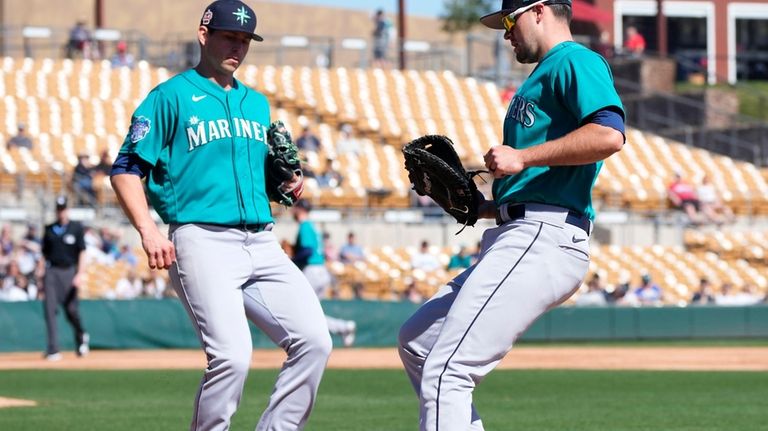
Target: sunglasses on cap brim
(508, 21)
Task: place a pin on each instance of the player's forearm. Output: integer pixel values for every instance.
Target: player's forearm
(130, 194)
(587, 144)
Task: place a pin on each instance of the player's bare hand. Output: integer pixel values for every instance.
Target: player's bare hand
(77, 280)
(503, 160)
(160, 251)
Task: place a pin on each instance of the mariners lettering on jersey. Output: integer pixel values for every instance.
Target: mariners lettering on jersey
(522, 111)
(201, 132)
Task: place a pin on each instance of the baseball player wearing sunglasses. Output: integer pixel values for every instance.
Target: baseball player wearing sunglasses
(564, 120)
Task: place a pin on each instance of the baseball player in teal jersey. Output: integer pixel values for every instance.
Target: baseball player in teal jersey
(199, 139)
(309, 257)
(565, 119)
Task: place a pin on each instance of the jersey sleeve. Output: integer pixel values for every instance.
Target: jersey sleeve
(152, 125)
(584, 84)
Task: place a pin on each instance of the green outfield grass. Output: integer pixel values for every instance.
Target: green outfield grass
(383, 400)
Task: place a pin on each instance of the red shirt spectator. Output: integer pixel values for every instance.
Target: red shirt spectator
(635, 43)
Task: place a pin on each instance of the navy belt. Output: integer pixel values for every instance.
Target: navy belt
(255, 228)
(518, 211)
(251, 228)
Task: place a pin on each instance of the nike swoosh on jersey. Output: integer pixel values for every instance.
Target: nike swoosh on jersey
(198, 98)
(574, 239)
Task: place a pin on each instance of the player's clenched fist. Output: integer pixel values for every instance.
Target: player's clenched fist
(503, 160)
(160, 251)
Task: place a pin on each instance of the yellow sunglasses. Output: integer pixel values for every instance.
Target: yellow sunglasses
(508, 21)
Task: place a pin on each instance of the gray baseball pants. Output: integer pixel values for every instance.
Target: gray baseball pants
(526, 266)
(225, 277)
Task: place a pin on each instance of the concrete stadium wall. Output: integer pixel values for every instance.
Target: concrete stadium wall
(151, 324)
(158, 19)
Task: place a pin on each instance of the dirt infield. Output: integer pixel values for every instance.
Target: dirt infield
(587, 358)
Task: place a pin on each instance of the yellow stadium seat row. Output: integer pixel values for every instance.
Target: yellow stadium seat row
(83, 106)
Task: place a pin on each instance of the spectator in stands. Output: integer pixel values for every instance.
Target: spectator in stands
(128, 256)
(424, 259)
(425, 202)
(683, 196)
(5, 260)
(6, 239)
(27, 255)
(82, 182)
(460, 260)
(155, 284)
(595, 294)
(93, 247)
(351, 252)
(330, 177)
(14, 286)
(712, 207)
(729, 296)
(703, 295)
(635, 42)
(347, 144)
(21, 140)
(307, 141)
(130, 286)
(105, 164)
(79, 44)
(382, 33)
(411, 292)
(32, 234)
(330, 251)
(122, 58)
(647, 293)
(108, 241)
(615, 294)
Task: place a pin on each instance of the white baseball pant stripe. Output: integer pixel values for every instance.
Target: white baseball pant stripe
(225, 276)
(455, 339)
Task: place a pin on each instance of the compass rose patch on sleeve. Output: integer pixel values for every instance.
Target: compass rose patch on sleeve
(139, 128)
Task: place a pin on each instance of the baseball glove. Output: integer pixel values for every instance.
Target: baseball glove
(281, 166)
(435, 170)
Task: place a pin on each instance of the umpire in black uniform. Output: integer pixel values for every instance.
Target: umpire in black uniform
(64, 253)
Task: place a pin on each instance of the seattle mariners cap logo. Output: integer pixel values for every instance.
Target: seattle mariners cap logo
(242, 15)
(493, 20)
(231, 15)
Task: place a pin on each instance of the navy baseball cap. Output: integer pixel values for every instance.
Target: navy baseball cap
(493, 20)
(61, 202)
(231, 15)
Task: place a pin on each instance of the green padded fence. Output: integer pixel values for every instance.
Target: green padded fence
(153, 324)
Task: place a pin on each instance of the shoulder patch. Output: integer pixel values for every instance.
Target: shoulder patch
(140, 128)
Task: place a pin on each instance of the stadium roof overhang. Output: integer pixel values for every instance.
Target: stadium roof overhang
(583, 11)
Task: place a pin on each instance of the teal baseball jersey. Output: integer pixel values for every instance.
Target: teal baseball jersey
(208, 148)
(569, 84)
(309, 238)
